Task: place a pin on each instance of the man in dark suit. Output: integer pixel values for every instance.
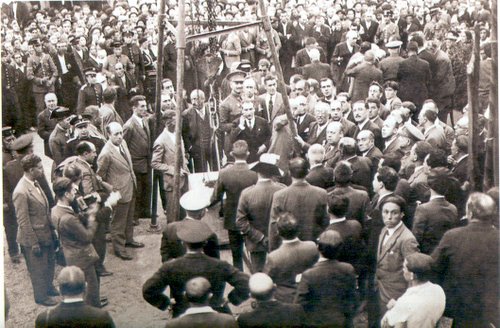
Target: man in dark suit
(45, 124)
(340, 57)
(414, 77)
(327, 291)
(303, 57)
(307, 203)
(317, 129)
(115, 167)
(458, 159)
(252, 129)
(10, 98)
(366, 146)
(59, 136)
(271, 102)
(393, 143)
(36, 233)
(361, 166)
(127, 87)
(333, 135)
(434, 218)
(285, 31)
(268, 311)
(316, 69)
(291, 259)
(369, 28)
(177, 272)
(254, 209)
(232, 181)
(463, 253)
(364, 73)
(73, 311)
(199, 314)
(198, 133)
(21, 87)
(303, 119)
(137, 135)
(68, 80)
(90, 93)
(361, 114)
(319, 175)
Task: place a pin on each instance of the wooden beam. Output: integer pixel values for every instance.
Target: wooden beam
(493, 122)
(205, 35)
(473, 95)
(206, 23)
(276, 61)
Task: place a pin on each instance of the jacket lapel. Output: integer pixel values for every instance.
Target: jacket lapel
(37, 194)
(383, 249)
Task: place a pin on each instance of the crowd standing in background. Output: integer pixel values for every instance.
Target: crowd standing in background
(367, 210)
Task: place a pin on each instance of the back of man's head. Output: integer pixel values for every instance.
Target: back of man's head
(198, 290)
(389, 177)
(347, 146)
(261, 286)
(288, 227)
(481, 207)
(342, 173)
(298, 168)
(240, 150)
(71, 281)
(338, 205)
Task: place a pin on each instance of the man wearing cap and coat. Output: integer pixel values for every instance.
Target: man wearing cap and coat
(117, 57)
(90, 93)
(177, 272)
(59, 136)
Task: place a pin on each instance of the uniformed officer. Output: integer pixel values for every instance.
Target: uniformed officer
(59, 136)
(91, 92)
(132, 51)
(117, 57)
(8, 137)
(10, 99)
(82, 133)
(230, 109)
(42, 72)
(177, 272)
(390, 65)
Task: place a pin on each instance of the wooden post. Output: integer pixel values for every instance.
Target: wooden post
(472, 93)
(154, 226)
(493, 123)
(181, 46)
(277, 66)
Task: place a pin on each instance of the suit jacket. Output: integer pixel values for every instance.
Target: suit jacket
(418, 183)
(124, 93)
(307, 203)
(203, 319)
(444, 80)
(117, 170)
(75, 314)
(286, 262)
(361, 171)
(431, 221)
(314, 137)
(414, 78)
(317, 71)
(33, 215)
(277, 110)
(232, 181)
(364, 74)
(339, 60)
(45, 125)
(390, 258)
(303, 129)
(71, 66)
(460, 170)
(177, 272)
(302, 58)
(396, 146)
(89, 95)
(259, 135)
(229, 110)
(254, 210)
(192, 124)
(368, 33)
(375, 130)
(163, 160)
(353, 247)
(436, 137)
(327, 292)
(108, 114)
(320, 176)
(57, 144)
(272, 314)
(374, 154)
(359, 202)
(462, 253)
(138, 140)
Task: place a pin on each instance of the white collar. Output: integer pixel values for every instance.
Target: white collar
(138, 119)
(30, 181)
(263, 180)
(436, 197)
(462, 158)
(315, 165)
(289, 241)
(240, 161)
(197, 310)
(391, 231)
(362, 124)
(72, 299)
(333, 221)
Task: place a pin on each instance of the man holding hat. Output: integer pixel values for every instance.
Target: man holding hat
(194, 263)
(230, 108)
(59, 136)
(254, 209)
(42, 71)
(390, 65)
(194, 202)
(91, 92)
(117, 57)
(267, 311)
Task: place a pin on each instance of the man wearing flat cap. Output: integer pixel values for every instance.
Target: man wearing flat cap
(194, 202)
(423, 303)
(230, 108)
(254, 209)
(91, 92)
(42, 72)
(267, 311)
(117, 57)
(194, 263)
(59, 136)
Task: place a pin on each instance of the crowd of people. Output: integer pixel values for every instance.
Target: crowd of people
(360, 201)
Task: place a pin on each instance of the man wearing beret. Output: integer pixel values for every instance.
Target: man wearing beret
(194, 263)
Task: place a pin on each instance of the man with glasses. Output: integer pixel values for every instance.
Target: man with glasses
(91, 92)
(42, 72)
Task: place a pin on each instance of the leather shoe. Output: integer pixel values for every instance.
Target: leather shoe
(134, 244)
(103, 298)
(105, 273)
(104, 303)
(16, 259)
(48, 302)
(53, 292)
(124, 257)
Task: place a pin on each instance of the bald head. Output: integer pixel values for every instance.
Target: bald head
(198, 290)
(261, 286)
(71, 281)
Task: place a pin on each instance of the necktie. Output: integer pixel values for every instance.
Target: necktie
(249, 124)
(386, 237)
(37, 186)
(269, 109)
(122, 152)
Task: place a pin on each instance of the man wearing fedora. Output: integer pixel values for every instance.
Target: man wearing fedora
(194, 202)
(232, 180)
(254, 209)
(194, 263)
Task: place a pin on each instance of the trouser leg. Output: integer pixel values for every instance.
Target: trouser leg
(41, 269)
(99, 243)
(236, 245)
(92, 296)
(118, 227)
(10, 225)
(129, 224)
(142, 206)
(258, 261)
